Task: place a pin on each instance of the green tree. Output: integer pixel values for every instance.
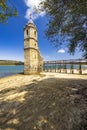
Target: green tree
(67, 19)
(7, 9)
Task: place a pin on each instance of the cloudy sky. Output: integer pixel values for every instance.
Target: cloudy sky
(12, 35)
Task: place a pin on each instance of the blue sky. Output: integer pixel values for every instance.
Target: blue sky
(12, 36)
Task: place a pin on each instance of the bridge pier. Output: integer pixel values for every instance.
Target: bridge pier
(64, 70)
(60, 68)
(80, 70)
(71, 70)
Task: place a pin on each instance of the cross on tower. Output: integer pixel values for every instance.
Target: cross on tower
(31, 18)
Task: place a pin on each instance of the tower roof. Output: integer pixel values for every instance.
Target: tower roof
(30, 24)
(31, 21)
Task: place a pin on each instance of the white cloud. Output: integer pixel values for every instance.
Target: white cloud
(46, 57)
(61, 51)
(31, 4)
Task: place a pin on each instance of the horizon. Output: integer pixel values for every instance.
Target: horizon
(46, 60)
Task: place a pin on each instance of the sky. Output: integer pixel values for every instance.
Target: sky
(12, 35)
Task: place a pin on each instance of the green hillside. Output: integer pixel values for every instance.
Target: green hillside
(11, 62)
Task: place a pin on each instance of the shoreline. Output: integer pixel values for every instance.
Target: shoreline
(64, 75)
(53, 101)
(46, 75)
(49, 73)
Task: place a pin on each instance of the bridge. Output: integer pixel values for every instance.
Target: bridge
(66, 66)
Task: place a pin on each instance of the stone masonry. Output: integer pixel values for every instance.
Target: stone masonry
(33, 62)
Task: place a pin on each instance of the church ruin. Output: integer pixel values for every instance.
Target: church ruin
(33, 62)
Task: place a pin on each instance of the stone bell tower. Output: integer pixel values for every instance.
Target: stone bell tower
(33, 62)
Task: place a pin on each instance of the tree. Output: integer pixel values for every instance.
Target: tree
(67, 19)
(7, 9)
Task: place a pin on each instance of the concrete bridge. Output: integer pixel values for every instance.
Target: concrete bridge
(78, 66)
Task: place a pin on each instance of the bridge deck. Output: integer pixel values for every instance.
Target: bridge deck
(77, 61)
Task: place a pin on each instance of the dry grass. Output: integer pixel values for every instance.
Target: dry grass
(46, 102)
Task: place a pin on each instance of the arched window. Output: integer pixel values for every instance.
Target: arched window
(27, 32)
(35, 44)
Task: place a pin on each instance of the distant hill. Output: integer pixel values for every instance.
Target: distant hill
(11, 62)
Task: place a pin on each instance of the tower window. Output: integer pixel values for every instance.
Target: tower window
(35, 33)
(27, 32)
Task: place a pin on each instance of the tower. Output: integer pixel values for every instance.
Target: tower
(33, 62)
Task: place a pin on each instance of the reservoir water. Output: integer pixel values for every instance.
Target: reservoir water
(10, 70)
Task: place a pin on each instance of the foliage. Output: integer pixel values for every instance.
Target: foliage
(7, 9)
(67, 19)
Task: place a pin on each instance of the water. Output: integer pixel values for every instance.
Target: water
(10, 70)
(68, 66)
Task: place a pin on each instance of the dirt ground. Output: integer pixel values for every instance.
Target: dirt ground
(49, 101)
